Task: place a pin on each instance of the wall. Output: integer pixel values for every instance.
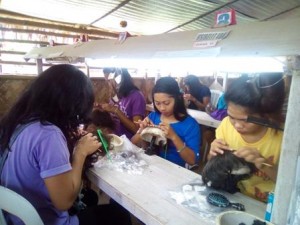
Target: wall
(10, 89)
(12, 86)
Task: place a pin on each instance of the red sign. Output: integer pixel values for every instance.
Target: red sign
(225, 18)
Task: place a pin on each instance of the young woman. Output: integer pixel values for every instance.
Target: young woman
(196, 93)
(181, 130)
(43, 165)
(131, 106)
(252, 129)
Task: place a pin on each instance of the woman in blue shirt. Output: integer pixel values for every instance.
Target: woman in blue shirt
(197, 94)
(181, 130)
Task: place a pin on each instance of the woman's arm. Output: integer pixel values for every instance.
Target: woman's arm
(186, 153)
(253, 155)
(64, 188)
(137, 139)
(200, 106)
(130, 125)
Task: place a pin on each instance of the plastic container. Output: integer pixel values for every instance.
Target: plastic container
(237, 218)
(116, 141)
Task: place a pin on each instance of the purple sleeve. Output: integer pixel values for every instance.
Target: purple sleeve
(138, 105)
(53, 155)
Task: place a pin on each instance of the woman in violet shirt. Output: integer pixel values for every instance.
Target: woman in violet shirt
(43, 164)
(132, 104)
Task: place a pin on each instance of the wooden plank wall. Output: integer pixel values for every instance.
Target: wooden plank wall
(12, 86)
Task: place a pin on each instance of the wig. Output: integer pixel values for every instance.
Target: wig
(102, 119)
(224, 171)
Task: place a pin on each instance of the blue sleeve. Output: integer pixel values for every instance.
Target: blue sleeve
(206, 92)
(193, 137)
(154, 117)
(189, 131)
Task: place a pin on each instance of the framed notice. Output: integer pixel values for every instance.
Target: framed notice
(225, 18)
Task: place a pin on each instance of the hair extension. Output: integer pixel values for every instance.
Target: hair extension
(101, 118)
(224, 171)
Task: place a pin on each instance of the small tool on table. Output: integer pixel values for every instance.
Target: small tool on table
(220, 200)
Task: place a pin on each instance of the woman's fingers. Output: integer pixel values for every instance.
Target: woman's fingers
(88, 144)
(251, 155)
(218, 146)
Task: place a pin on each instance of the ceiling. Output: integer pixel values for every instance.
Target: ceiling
(144, 17)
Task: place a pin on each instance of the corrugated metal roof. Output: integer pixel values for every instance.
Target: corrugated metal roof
(152, 16)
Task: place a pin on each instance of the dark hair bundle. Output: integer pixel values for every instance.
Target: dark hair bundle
(224, 171)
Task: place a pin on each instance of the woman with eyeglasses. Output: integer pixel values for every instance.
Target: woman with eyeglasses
(131, 106)
(252, 129)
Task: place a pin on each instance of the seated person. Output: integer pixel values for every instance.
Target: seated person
(131, 106)
(197, 94)
(250, 100)
(181, 130)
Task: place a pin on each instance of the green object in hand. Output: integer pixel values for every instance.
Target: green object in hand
(104, 142)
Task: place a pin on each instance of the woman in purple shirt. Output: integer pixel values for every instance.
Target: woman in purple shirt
(131, 106)
(43, 164)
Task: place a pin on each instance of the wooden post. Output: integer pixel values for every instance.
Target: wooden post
(289, 152)
(39, 64)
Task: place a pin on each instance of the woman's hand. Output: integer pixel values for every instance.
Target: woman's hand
(87, 145)
(189, 97)
(109, 107)
(251, 155)
(143, 124)
(218, 146)
(168, 131)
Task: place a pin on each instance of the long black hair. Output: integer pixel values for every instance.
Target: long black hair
(169, 85)
(263, 94)
(194, 84)
(61, 95)
(126, 85)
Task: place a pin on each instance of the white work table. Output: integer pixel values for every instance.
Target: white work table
(147, 196)
(200, 116)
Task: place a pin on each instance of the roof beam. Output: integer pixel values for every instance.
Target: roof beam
(12, 52)
(25, 41)
(278, 14)
(111, 11)
(19, 19)
(30, 31)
